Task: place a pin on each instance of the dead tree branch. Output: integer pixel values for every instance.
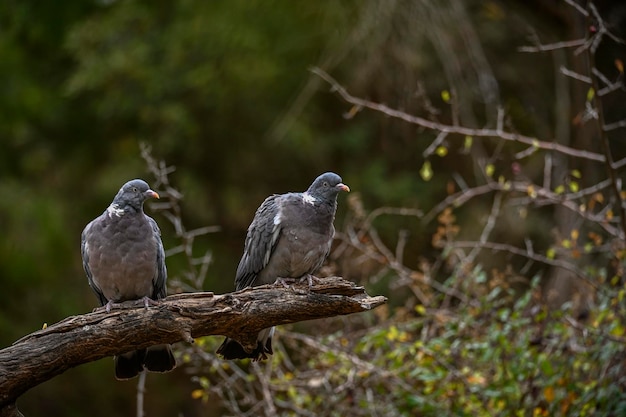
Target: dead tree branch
(75, 340)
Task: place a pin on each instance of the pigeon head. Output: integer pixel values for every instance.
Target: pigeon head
(327, 186)
(132, 196)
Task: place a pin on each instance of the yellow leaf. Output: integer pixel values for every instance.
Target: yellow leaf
(550, 253)
(609, 214)
(591, 94)
(576, 174)
(560, 189)
(489, 169)
(426, 172)
(197, 394)
(45, 326)
(573, 186)
(619, 65)
(532, 193)
(392, 333)
(445, 96)
(566, 243)
(548, 392)
(420, 309)
(574, 234)
(468, 142)
(441, 151)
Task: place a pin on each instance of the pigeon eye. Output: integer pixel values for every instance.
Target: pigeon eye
(325, 183)
(134, 189)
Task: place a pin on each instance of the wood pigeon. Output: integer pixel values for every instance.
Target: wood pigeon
(289, 237)
(124, 260)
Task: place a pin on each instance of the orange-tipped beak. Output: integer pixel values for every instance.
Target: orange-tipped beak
(343, 187)
(153, 194)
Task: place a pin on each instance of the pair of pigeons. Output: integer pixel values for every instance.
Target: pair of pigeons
(289, 237)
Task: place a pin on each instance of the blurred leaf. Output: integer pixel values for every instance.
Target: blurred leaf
(445, 96)
(489, 170)
(426, 171)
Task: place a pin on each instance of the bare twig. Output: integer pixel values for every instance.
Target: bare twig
(459, 130)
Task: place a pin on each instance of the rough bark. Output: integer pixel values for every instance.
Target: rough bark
(75, 340)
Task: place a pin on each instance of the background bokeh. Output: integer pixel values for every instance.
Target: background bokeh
(223, 92)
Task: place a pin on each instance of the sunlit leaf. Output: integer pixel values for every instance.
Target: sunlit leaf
(576, 174)
(559, 189)
(573, 186)
(441, 151)
(468, 142)
(574, 234)
(550, 253)
(445, 96)
(420, 309)
(532, 192)
(426, 172)
(197, 394)
(489, 170)
(548, 393)
(566, 243)
(619, 64)
(591, 94)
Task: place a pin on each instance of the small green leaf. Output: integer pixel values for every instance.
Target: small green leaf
(576, 174)
(468, 142)
(573, 186)
(489, 170)
(426, 171)
(445, 96)
(560, 189)
(441, 151)
(591, 94)
(550, 253)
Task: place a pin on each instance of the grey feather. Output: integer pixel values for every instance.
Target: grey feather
(124, 259)
(290, 237)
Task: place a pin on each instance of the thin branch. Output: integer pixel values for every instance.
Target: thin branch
(585, 79)
(552, 46)
(460, 130)
(504, 247)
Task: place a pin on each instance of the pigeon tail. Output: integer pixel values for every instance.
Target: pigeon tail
(129, 364)
(159, 358)
(231, 349)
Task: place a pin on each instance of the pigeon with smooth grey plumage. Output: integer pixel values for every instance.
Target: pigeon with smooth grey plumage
(124, 260)
(289, 238)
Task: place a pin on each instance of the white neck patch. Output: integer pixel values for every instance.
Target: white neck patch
(114, 209)
(308, 198)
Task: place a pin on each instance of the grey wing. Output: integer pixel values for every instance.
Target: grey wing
(84, 251)
(261, 239)
(160, 279)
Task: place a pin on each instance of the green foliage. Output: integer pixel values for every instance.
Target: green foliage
(501, 354)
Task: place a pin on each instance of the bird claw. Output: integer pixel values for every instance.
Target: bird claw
(284, 281)
(111, 305)
(310, 279)
(147, 302)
